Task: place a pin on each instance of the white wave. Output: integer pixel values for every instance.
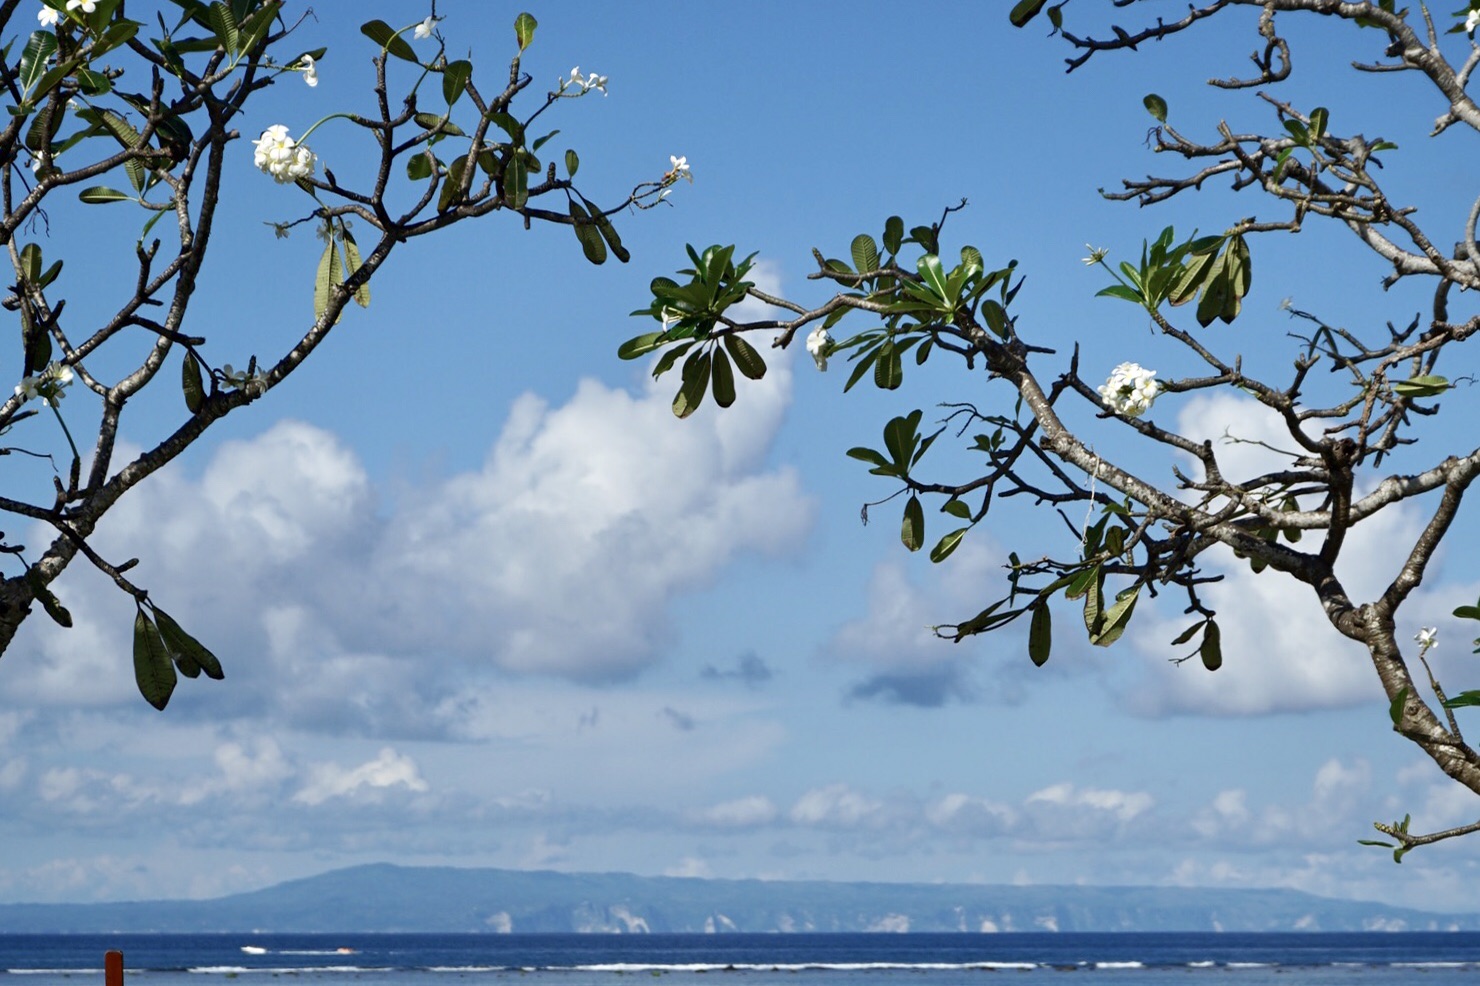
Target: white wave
(1120, 965)
(54, 972)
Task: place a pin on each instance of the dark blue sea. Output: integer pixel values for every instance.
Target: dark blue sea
(1182, 959)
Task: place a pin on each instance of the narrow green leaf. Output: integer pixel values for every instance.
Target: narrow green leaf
(384, 35)
(223, 22)
(591, 240)
(1461, 701)
(452, 184)
(946, 545)
(888, 368)
(607, 230)
(524, 26)
(190, 383)
(438, 124)
(154, 672)
(99, 194)
(329, 274)
(1188, 634)
(1156, 106)
(1211, 650)
(1467, 612)
(351, 264)
(746, 358)
(695, 382)
(35, 57)
(1040, 634)
(723, 378)
(183, 645)
(912, 529)
(640, 345)
(516, 181)
(1117, 618)
(1094, 600)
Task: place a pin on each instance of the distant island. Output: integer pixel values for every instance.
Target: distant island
(386, 898)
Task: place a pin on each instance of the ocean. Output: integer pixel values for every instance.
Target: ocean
(1175, 959)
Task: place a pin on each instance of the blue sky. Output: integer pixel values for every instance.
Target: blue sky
(482, 601)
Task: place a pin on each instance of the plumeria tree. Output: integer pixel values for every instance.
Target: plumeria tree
(109, 112)
(1042, 429)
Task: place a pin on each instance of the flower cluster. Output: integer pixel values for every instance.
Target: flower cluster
(49, 16)
(585, 85)
(1130, 390)
(280, 156)
(242, 379)
(47, 384)
(819, 344)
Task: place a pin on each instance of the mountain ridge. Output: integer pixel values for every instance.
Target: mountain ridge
(384, 897)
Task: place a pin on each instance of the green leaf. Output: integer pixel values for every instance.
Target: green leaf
(957, 508)
(888, 368)
(1094, 603)
(893, 234)
(452, 184)
(865, 253)
(99, 194)
(223, 22)
(328, 275)
(154, 672)
(592, 244)
(1211, 650)
(384, 35)
(1024, 11)
(746, 358)
(438, 124)
(900, 437)
(1318, 120)
(1467, 612)
(1040, 634)
(912, 529)
(455, 80)
(1123, 291)
(34, 58)
(31, 262)
(1187, 634)
(1461, 701)
(946, 545)
(723, 381)
(524, 26)
(695, 382)
(516, 181)
(640, 345)
(882, 465)
(352, 264)
(1422, 386)
(185, 649)
(1117, 617)
(190, 383)
(1156, 106)
(608, 231)
(572, 164)
(420, 166)
(1080, 583)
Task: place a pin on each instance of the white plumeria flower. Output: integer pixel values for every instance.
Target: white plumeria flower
(817, 344)
(1472, 21)
(47, 384)
(1096, 254)
(310, 74)
(86, 6)
(28, 388)
(597, 82)
(279, 155)
(1130, 390)
(1427, 637)
(424, 29)
(48, 16)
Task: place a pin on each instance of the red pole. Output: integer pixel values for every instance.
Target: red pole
(113, 969)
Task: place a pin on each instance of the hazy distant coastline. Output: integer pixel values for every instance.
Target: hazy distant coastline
(386, 898)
